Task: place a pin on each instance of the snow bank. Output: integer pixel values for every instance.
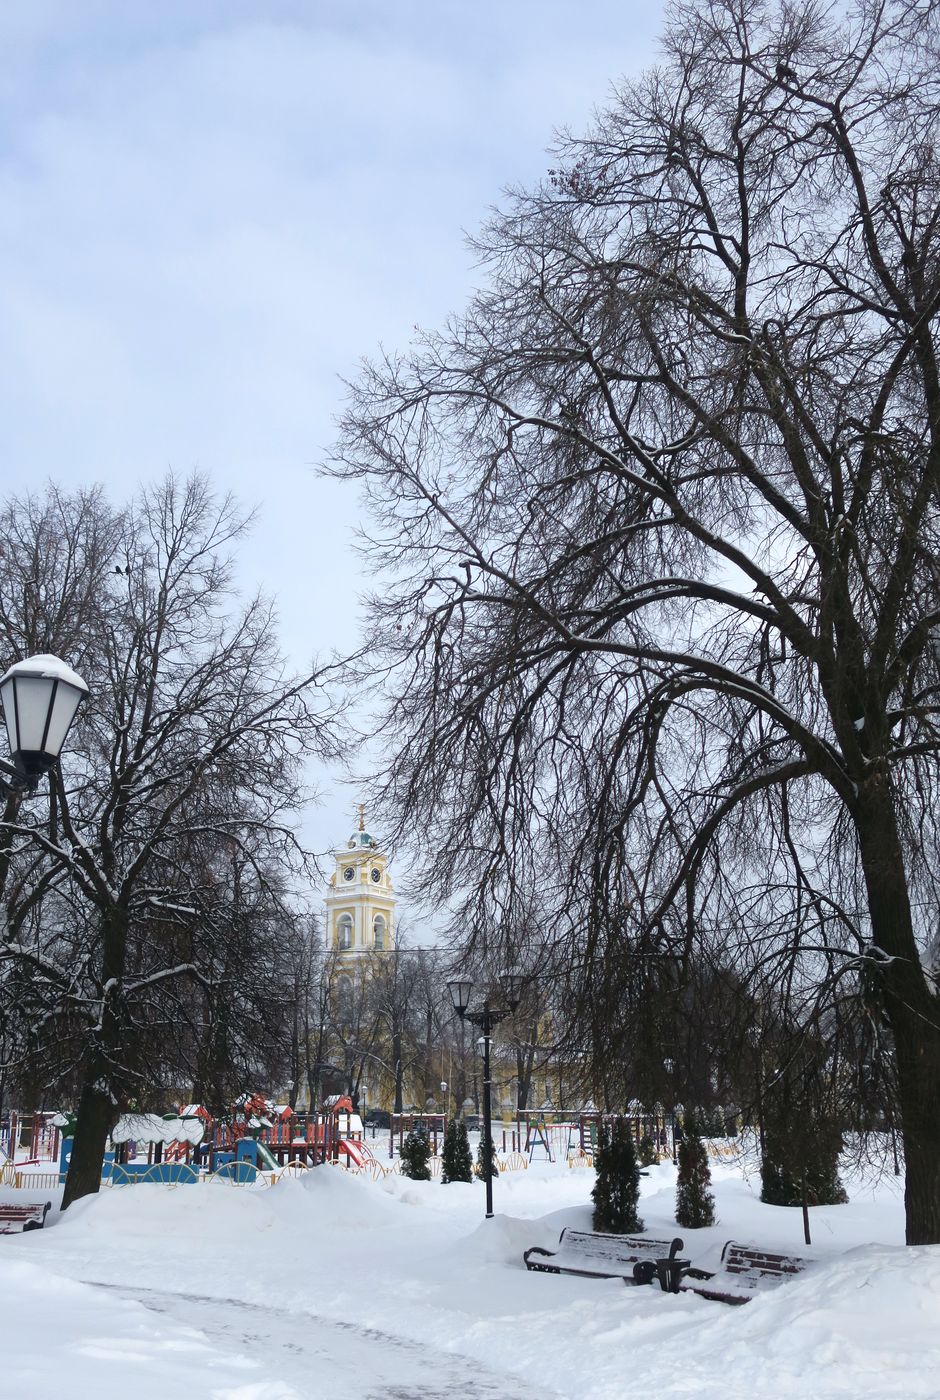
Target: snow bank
(416, 1260)
(326, 1201)
(873, 1315)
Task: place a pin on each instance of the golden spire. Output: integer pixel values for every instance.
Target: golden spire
(362, 816)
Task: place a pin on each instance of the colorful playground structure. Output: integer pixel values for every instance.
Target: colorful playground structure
(29, 1137)
(259, 1140)
(256, 1136)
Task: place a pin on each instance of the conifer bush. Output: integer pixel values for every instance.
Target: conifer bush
(695, 1204)
(456, 1157)
(416, 1153)
(480, 1168)
(788, 1153)
(648, 1154)
(616, 1192)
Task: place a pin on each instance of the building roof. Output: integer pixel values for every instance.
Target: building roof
(361, 840)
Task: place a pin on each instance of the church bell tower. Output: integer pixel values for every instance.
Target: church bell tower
(360, 899)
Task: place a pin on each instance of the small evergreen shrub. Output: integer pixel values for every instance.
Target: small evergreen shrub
(616, 1192)
(415, 1154)
(785, 1159)
(456, 1157)
(480, 1168)
(695, 1204)
(647, 1154)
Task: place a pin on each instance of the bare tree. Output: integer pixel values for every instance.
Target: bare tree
(305, 956)
(353, 1019)
(396, 986)
(663, 511)
(188, 752)
(386, 1017)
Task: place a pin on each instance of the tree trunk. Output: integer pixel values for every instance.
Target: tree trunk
(294, 1090)
(918, 1056)
(525, 1059)
(97, 1115)
(909, 1005)
(399, 1073)
(461, 1075)
(97, 1108)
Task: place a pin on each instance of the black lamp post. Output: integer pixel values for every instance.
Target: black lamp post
(669, 1066)
(486, 1018)
(40, 698)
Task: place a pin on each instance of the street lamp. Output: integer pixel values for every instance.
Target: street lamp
(755, 1039)
(486, 1018)
(40, 698)
(669, 1066)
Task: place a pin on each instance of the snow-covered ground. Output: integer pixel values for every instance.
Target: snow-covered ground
(338, 1285)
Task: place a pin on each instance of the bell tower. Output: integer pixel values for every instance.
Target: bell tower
(360, 898)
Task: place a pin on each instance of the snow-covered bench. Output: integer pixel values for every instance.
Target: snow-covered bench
(18, 1219)
(745, 1271)
(603, 1256)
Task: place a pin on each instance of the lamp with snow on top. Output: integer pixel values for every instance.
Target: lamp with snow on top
(40, 698)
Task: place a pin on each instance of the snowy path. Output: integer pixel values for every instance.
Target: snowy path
(317, 1357)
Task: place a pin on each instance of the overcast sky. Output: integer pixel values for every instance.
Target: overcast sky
(209, 209)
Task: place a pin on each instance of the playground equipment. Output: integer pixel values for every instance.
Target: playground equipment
(357, 1154)
(334, 1133)
(435, 1125)
(249, 1160)
(537, 1135)
(30, 1138)
(256, 1138)
(307, 1139)
(168, 1137)
(515, 1162)
(642, 1122)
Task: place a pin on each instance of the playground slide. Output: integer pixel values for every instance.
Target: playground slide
(354, 1152)
(265, 1161)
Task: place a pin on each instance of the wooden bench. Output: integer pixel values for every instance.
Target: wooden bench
(745, 1271)
(27, 1217)
(603, 1256)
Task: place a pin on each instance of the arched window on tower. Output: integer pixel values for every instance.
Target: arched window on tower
(344, 931)
(379, 930)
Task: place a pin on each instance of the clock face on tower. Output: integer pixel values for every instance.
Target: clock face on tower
(349, 873)
(376, 875)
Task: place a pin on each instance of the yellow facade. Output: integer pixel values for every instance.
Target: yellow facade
(360, 899)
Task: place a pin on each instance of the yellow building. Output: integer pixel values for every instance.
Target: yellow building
(360, 899)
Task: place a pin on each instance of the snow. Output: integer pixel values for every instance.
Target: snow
(334, 1283)
(47, 666)
(62, 1337)
(151, 1127)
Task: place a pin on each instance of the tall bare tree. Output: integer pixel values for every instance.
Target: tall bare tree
(189, 752)
(663, 511)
